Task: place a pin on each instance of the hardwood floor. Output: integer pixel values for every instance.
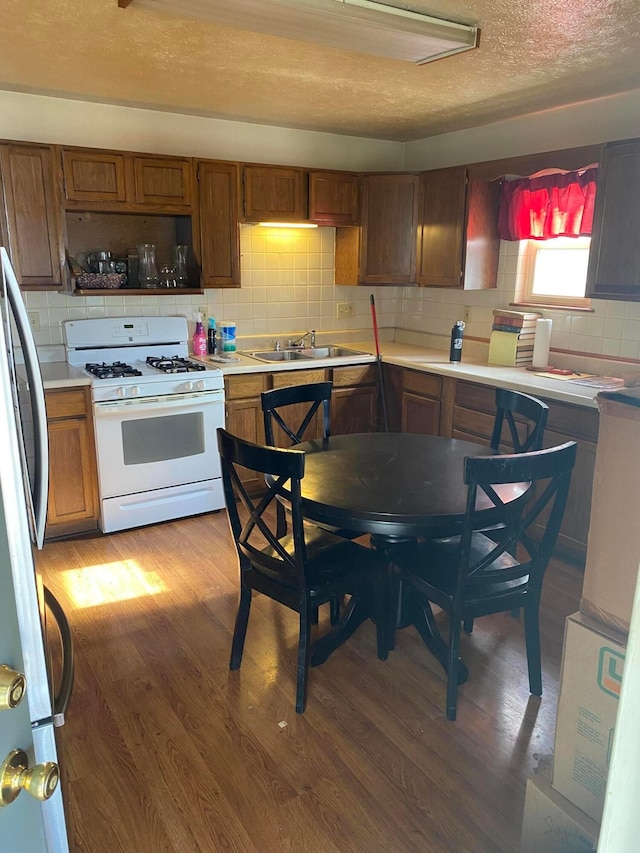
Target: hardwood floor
(164, 749)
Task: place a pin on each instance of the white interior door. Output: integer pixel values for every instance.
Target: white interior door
(21, 822)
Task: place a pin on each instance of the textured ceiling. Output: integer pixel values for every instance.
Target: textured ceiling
(533, 54)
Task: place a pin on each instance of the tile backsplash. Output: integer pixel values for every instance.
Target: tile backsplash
(287, 288)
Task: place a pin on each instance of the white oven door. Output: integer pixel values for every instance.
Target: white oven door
(157, 442)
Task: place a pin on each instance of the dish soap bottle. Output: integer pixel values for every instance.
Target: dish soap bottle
(199, 338)
(211, 337)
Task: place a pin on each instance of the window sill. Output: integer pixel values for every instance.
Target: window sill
(552, 307)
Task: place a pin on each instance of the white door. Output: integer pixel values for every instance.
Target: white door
(22, 821)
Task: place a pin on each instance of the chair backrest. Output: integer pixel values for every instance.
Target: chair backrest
(254, 535)
(532, 522)
(510, 403)
(294, 399)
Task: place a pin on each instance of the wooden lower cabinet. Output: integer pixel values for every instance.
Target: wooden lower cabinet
(421, 393)
(354, 400)
(73, 481)
(575, 423)
(244, 415)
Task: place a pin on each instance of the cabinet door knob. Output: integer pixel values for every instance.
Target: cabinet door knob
(39, 781)
(12, 687)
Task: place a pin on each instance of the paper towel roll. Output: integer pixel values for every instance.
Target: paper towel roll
(542, 343)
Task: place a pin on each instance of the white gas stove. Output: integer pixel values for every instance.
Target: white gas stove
(156, 412)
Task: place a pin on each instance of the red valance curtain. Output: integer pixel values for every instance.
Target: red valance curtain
(558, 205)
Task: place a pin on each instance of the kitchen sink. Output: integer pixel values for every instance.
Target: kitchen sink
(331, 352)
(280, 355)
(306, 354)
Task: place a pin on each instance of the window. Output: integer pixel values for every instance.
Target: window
(556, 271)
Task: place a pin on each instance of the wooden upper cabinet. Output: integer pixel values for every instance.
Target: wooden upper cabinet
(614, 258)
(458, 243)
(219, 229)
(163, 181)
(93, 176)
(32, 214)
(124, 182)
(334, 198)
(275, 194)
(389, 225)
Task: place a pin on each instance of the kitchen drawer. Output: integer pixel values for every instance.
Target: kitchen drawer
(480, 398)
(357, 374)
(66, 403)
(247, 385)
(574, 421)
(425, 384)
(298, 377)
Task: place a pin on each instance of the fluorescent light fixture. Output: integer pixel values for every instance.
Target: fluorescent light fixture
(361, 26)
(287, 224)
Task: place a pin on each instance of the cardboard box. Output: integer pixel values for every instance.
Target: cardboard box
(613, 548)
(592, 666)
(551, 824)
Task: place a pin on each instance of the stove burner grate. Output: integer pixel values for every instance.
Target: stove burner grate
(174, 364)
(111, 371)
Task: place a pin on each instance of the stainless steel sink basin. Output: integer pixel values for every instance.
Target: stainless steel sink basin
(306, 354)
(280, 355)
(331, 352)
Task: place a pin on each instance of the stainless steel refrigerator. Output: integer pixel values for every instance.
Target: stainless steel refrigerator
(32, 699)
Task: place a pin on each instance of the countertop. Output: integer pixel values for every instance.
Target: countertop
(59, 374)
(434, 361)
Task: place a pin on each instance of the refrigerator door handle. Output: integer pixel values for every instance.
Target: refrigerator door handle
(36, 390)
(62, 697)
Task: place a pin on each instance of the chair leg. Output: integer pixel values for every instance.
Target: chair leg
(467, 626)
(532, 639)
(281, 521)
(240, 629)
(335, 604)
(452, 671)
(304, 654)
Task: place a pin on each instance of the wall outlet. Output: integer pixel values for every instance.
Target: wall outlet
(345, 309)
(466, 313)
(204, 311)
(34, 320)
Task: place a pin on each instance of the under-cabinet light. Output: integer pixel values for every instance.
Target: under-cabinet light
(288, 224)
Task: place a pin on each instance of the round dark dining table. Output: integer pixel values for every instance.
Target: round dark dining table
(393, 486)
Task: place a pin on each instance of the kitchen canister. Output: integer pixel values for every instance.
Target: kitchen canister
(541, 343)
(228, 336)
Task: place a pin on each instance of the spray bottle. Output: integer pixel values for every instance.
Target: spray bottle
(199, 337)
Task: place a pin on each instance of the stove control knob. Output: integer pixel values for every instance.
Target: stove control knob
(121, 392)
(135, 390)
(200, 385)
(188, 386)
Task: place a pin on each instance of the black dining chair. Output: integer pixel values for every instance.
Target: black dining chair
(532, 420)
(301, 570)
(288, 412)
(471, 575)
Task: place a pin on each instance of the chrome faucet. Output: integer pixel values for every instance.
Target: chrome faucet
(300, 341)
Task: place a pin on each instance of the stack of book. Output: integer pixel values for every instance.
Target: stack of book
(512, 337)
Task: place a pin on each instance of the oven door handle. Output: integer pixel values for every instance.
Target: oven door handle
(175, 401)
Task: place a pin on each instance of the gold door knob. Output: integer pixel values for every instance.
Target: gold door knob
(12, 687)
(40, 781)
